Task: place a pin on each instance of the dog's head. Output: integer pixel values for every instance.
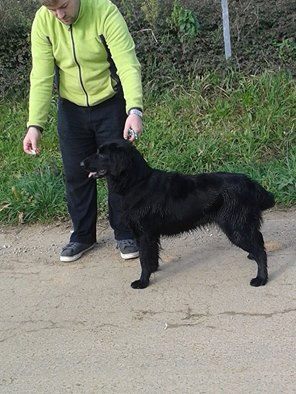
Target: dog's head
(115, 159)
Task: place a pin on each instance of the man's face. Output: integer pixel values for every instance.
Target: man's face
(65, 10)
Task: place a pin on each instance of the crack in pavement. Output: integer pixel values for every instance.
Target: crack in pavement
(192, 317)
(51, 325)
(266, 315)
(17, 274)
(189, 319)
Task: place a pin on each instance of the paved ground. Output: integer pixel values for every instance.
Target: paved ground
(199, 327)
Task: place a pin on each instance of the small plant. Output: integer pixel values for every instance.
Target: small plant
(286, 48)
(184, 22)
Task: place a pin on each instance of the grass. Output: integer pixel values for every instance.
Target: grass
(242, 124)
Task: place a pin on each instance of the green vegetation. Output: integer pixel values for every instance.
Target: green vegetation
(234, 123)
(173, 37)
(200, 115)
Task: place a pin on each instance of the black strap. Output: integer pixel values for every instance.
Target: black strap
(112, 67)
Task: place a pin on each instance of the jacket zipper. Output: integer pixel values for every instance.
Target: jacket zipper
(79, 67)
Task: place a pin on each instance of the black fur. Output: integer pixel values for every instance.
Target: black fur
(167, 203)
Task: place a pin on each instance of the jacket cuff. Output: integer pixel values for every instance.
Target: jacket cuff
(36, 126)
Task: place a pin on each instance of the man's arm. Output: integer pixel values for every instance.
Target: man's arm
(122, 48)
(41, 81)
(41, 78)
(123, 53)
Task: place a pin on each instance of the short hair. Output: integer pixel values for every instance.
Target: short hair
(47, 2)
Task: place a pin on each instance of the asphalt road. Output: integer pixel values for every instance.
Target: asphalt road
(199, 328)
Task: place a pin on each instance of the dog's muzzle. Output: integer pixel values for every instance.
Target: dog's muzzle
(93, 174)
(98, 174)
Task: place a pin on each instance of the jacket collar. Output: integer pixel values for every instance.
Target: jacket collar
(80, 12)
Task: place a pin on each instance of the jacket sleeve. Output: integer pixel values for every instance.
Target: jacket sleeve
(123, 53)
(42, 74)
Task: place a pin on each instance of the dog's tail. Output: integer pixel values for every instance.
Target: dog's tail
(265, 198)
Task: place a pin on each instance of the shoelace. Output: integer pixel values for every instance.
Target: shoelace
(126, 242)
(69, 245)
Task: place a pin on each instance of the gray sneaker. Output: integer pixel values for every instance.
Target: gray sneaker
(74, 250)
(128, 249)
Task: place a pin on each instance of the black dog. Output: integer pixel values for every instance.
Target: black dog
(159, 203)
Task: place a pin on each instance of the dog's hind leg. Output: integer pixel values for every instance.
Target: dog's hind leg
(250, 239)
(149, 255)
(259, 255)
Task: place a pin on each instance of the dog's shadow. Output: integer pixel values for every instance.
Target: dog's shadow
(223, 254)
(193, 258)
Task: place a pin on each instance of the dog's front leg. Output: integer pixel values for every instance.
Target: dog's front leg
(149, 254)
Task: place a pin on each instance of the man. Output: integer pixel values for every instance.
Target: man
(87, 46)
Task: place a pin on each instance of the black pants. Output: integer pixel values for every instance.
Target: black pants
(81, 130)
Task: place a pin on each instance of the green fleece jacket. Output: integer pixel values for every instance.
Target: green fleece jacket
(78, 53)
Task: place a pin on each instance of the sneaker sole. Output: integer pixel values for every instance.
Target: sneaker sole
(77, 256)
(127, 256)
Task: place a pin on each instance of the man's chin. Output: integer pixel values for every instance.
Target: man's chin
(66, 22)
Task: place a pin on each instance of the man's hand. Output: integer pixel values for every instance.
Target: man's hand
(31, 140)
(133, 122)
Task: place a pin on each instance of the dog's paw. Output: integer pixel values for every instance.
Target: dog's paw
(250, 256)
(256, 282)
(138, 284)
